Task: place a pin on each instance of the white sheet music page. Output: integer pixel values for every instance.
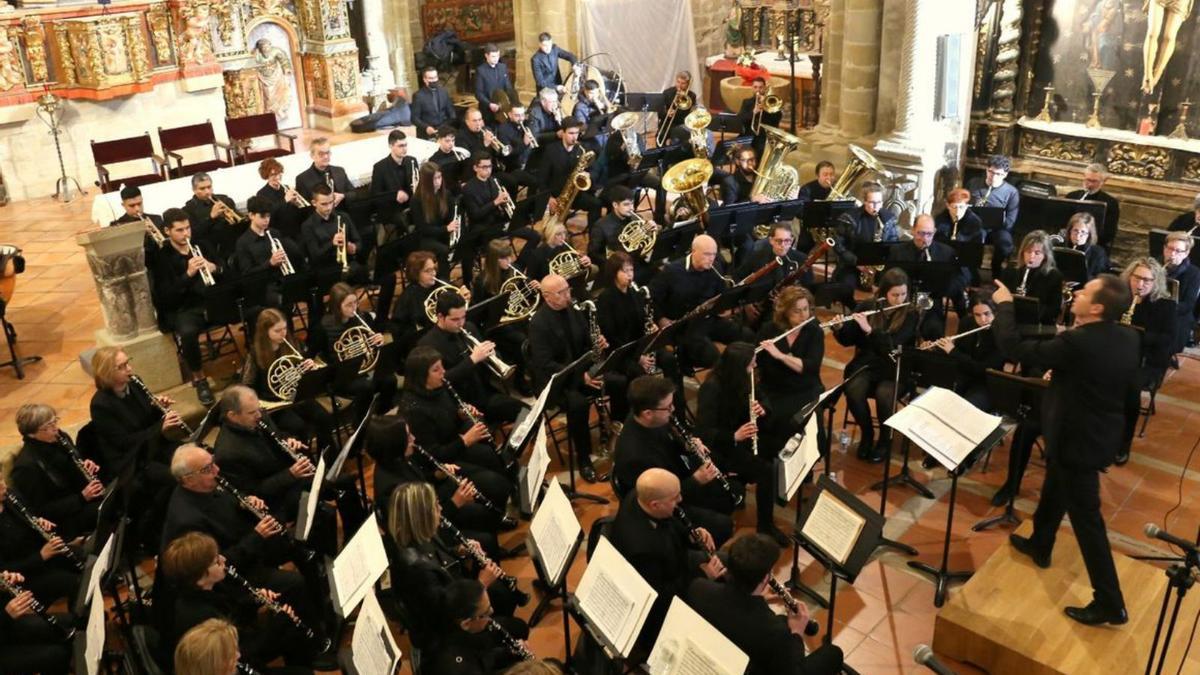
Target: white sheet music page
(535, 470)
(798, 457)
(614, 597)
(358, 566)
(945, 425)
(555, 529)
(335, 469)
(689, 645)
(94, 648)
(103, 563)
(535, 415)
(833, 527)
(374, 649)
(304, 526)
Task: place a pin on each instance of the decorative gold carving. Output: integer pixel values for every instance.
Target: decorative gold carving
(981, 45)
(1137, 160)
(243, 96)
(1005, 67)
(68, 74)
(35, 47)
(159, 20)
(12, 74)
(139, 56)
(314, 65)
(1048, 146)
(1191, 169)
(344, 69)
(225, 21)
(195, 42)
(310, 18)
(277, 8)
(104, 51)
(992, 142)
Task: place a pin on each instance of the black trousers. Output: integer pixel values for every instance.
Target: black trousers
(1002, 248)
(697, 340)
(188, 323)
(857, 392)
(34, 646)
(1075, 491)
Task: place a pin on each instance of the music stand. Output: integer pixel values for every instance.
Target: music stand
(992, 217)
(968, 253)
(720, 220)
(1053, 213)
(1072, 264)
(1020, 399)
(818, 215)
(556, 394)
(555, 589)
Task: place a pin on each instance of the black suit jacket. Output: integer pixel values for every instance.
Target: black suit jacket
(248, 460)
(747, 621)
(639, 448)
(556, 339)
(1095, 383)
(431, 108)
(218, 515)
(1112, 214)
(746, 115)
(388, 178)
(813, 190)
(907, 252)
(126, 426)
(48, 481)
(311, 177)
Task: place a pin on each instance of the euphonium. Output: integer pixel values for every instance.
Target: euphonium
(638, 237)
(688, 178)
(432, 298)
(498, 367)
(625, 124)
(285, 268)
(523, 298)
(697, 123)
(568, 264)
(776, 179)
(861, 162)
(194, 251)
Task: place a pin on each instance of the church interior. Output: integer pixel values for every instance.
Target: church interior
(599, 336)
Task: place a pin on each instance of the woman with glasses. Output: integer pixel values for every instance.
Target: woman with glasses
(47, 476)
(1034, 275)
(286, 212)
(1080, 235)
(408, 316)
(46, 566)
(1153, 314)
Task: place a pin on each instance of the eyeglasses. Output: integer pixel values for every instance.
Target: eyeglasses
(923, 235)
(1176, 251)
(1142, 279)
(781, 240)
(209, 468)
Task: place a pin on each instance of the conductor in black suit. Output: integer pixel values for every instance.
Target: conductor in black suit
(431, 105)
(738, 610)
(1094, 379)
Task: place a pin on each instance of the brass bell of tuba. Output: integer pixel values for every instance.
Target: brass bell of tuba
(861, 162)
(776, 179)
(697, 123)
(687, 179)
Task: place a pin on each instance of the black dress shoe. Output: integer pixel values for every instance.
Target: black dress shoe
(1002, 495)
(866, 448)
(1025, 545)
(1094, 615)
(590, 474)
(1122, 457)
(775, 533)
(878, 454)
(928, 463)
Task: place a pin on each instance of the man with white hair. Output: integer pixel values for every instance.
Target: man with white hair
(1094, 175)
(1189, 221)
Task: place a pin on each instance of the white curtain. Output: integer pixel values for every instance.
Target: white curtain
(650, 39)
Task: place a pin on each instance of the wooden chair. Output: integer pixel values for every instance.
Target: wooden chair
(242, 130)
(127, 150)
(193, 136)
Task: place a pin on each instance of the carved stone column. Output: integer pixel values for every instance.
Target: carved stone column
(1006, 64)
(831, 69)
(330, 65)
(860, 67)
(117, 260)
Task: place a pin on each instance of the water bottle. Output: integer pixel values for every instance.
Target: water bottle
(843, 441)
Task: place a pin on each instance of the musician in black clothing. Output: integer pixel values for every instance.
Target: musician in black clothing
(1094, 381)
(491, 77)
(558, 164)
(409, 318)
(465, 646)
(497, 268)
(341, 319)
(544, 63)
(738, 609)
(957, 222)
(265, 254)
(475, 137)
(1152, 311)
(1184, 273)
(321, 237)
(322, 172)
(745, 167)
(778, 249)
(923, 248)
(1094, 176)
(179, 293)
(659, 546)
(624, 316)
(864, 225)
(436, 217)
(1036, 276)
(1080, 235)
(1189, 221)
(545, 122)
(790, 366)
(302, 419)
(874, 338)
(558, 336)
(576, 269)
(753, 107)
(465, 360)
(624, 167)
(671, 114)
(394, 180)
(486, 199)
(132, 203)
(431, 105)
(513, 132)
(604, 236)
(682, 286)
(27, 643)
(647, 442)
(55, 482)
(448, 158)
(214, 217)
(991, 190)
(287, 206)
(822, 185)
(973, 355)
(48, 573)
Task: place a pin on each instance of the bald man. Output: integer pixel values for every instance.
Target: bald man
(659, 546)
(945, 282)
(558, 335)
(684, 284)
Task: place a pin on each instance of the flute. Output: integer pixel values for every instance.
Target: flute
(45, 533)
(692, 445)
(13, 589)
(952, 338)
(510, 643)
(135, 380)
(786, 333)
(839, 320)
(260, 596)
(482, 560)
(479, 498)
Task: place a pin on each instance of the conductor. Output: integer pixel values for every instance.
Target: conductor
(1094, 377)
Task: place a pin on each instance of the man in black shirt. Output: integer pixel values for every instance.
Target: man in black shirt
(179, 290)
(131, 202)
(923, 249)
(992, 190)
(754, 106)
(820, 187)
(544, 63)
(214, 217)
(322, 172)
(394, 180)
(431, 105)
(513, 132)
(544, 120)
(673, 115)
(1094, 176)
(558, 162)
(321, 238)
(491, 77)
(486, 201)
(477, 138)
(864, 225)
(778, 247)
(266, 254)
(447, 159)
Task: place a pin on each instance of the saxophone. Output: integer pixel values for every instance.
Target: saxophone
(578, 181)
(1127, 317)
(1024, 283)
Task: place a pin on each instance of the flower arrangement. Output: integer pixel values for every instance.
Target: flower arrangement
(746, 68)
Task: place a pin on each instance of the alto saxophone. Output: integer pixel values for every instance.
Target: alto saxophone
(1127, 317)
(578, 181)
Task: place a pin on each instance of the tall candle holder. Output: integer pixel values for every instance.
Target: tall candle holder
(1044, 115)
(49, 110)
(1180, 131)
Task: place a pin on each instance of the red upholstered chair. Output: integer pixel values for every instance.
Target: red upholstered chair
(193, 136)
(242, 130)
(126, 150)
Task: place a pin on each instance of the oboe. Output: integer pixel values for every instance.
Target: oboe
(137, 381)
(260, 596)
(693, 446)
(457, 480)
(38, 608)
(77, 459)
(46, 534)
(511, 643)
(482, 560)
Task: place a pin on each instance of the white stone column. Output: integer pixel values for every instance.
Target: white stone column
(376, 47)
(831, 68)
(860, 67)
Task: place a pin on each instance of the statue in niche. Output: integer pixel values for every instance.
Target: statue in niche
(1103, 28)
(274, 69)
(1164, 18)
(733, 31)
(194, 46)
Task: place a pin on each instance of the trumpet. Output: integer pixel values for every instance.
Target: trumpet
(285, 268)
(457, 480)
(482, 560)
(231, 216)
(525, 132)
(155, 233)
(931, 345)
(507, 206)
(341, 255)
(137, 382)
(498, 367)
(46, 534)
(205, 274)
(510, 643)
(497, 144)
(301, 202)
(38, 608)
(260, 596)
(456, 235)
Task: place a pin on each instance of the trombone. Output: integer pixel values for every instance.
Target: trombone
(768, 103)
(681, 102)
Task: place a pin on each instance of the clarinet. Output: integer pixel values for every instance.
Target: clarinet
(793, 607)
(482, 560)
(279, 442)
(47, 535)
(466, 410)
(244, 502)
(510, 643)
(690, 443)
(479, 498)
(38, 608)
(77, 459)
(137, 381)
(246, 669)
(260, 597)
(648, 324)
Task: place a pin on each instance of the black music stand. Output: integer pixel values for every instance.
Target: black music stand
(1052, 213)
(992, 217)
(819, 215)
(968, 253)
(1020, 399)
(1072, 264)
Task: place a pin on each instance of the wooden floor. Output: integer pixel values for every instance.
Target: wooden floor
(1008, 618)
(879, 620)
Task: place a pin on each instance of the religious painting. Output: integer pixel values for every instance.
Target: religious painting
(272, 61)
(474, 21)
(1138, 55)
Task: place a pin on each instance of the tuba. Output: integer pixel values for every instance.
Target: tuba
(579, 181)
(861, 162)
(687, 179)
(638, 237)
(523, 298)
(625, 124)
(776, 179)
(432, 299)
(697, 123)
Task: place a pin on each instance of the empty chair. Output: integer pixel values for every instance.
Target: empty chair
(243, 130)
(193, 136)
(127, 150)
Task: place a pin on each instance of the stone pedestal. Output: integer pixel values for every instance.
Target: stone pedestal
(117, 260)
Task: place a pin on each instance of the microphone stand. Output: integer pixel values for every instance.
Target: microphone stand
(1180, 578)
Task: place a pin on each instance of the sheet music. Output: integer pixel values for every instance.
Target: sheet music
(373, 648)
(833, 527)
(555, 530)
(517, 438)
(945, 425)
(336, 469)
(304, 526)
(94, 649)
(535, 470)
(799, 456)
(614, 597)
(689, 645)
(100, 567)
(358, 566)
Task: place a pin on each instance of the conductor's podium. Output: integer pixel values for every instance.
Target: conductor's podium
(1009, 617)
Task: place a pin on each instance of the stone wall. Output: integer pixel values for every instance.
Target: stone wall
(708, 19)
(27, 158)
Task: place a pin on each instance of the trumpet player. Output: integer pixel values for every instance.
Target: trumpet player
(466, 360)
(133, 205)
(394, 179)
(267, 254)
(54, 481)
(179, 290)
(325, 232)
(513, 132)
(754, 113)
(992, 190)
(214, 217)
(492, 211)
(324, 172)
(285, 203)
(491, 79)
(448, 157)
(545, 120)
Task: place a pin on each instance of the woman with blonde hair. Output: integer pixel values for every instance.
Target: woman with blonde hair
(1033, 274)
(554, 243)
(209, 648)
(1153, 313)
